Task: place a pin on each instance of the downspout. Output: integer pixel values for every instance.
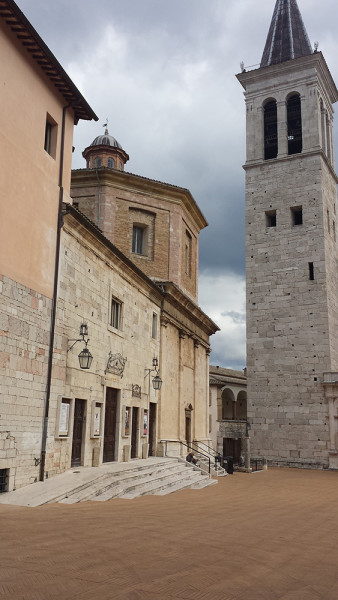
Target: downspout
(99, 200)
(54, 300)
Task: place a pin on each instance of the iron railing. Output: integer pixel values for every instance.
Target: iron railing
(190, 447)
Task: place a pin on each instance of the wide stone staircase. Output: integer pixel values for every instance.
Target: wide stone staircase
(158, 476)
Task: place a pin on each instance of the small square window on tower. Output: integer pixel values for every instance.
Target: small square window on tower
(297, 215)
(271, 218)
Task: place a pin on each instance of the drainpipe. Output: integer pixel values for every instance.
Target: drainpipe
(99, 200)
(54, 299)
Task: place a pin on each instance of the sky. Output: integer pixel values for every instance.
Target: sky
(163, 73)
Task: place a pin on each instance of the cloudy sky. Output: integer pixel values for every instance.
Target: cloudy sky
(163, 73)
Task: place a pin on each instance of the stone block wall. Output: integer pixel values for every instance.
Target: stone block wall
(24, 339)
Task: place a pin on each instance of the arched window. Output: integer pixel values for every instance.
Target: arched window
(98, 162)
(328, 138)
(111, 163)
(241, 408)
(228, 405)
(294, 117)
(270, 130)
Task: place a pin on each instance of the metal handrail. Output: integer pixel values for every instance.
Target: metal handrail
(217, 456)
(187, 446)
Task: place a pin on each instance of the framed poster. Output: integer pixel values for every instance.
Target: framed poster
(64, 418)
(97, 419)
(145, 422)
(127, 421)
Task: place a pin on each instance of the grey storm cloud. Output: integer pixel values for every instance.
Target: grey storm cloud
(164, 75)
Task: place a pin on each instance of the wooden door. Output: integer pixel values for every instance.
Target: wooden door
(109, 439)
(152, 429)
(79, 420)
(232, 448)
(134, 432)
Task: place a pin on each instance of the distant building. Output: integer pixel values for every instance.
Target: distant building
(291, 249)
(228, 411)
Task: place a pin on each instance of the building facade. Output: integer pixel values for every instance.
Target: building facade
(291, 249)
(228, 412)
(39, 107)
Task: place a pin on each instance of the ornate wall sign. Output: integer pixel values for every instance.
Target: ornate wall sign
(136, 390)
(115, 364)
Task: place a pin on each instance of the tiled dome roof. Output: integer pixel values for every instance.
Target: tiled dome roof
(106, 140)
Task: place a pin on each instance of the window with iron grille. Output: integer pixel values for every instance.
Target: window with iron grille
(4, 475)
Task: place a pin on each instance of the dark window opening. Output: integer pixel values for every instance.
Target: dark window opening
(294, 116)
(97, 162)
(270, 130)
(115, 313)
(271, 218)
(111, 163)
(297, 215)
(4, 476)
(139, 239)
(50, 136)
(311, 271)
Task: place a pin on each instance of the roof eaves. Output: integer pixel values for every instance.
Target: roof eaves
(34, 44)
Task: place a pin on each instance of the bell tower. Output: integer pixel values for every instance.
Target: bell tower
(291, 249)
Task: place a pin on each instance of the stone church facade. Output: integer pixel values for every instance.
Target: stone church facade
(104, 352)
(291, 249)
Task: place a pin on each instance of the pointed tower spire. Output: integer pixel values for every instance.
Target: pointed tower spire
(287, 38)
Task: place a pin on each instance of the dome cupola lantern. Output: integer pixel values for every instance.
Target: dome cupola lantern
(105, 151)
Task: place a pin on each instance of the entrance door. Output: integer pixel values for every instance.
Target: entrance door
(109, 441)
(134, 432)
(79, 420)
(152, 429)
(188, 426)
(232, 448)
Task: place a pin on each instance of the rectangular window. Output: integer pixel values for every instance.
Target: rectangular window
(154, 327)
(297, 215)
(139, 239)
(311, 271)
(50, 136)
(271, 218)
(188, 253)
(328, 221)
(334, 229)
(116, 313)
(4, 477)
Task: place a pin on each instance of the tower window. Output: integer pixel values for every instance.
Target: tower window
(98, 162)
(294, 116)
(311, 271)
(297, 215)
(188, 253)
(328, 221)
(111, 163)
(270, 130)
(271, 218)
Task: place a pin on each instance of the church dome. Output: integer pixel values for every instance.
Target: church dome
(106, 140)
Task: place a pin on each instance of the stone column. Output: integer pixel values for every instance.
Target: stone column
(282, 128)
(246, 449)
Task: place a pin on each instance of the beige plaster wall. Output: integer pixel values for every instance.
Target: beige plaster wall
(29, 183)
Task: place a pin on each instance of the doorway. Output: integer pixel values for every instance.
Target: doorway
(152, 429)
(134, 433)
(188, 427)
(109, 440)
(232, 448)
(78, 428)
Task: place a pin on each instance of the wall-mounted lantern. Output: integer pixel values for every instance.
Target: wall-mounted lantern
(157, 381)
(85, 357)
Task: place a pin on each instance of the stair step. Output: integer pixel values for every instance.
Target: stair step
(165, 484)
